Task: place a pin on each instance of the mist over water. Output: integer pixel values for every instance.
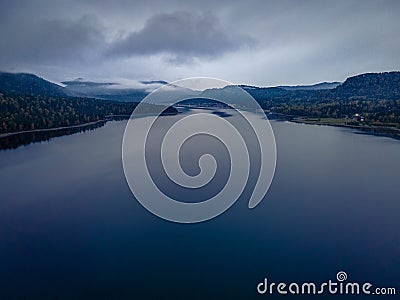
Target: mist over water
(71, 229)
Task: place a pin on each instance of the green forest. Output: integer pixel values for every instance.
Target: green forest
(353, 112)
(21, 112)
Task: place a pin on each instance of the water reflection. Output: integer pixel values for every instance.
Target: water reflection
(23, 139)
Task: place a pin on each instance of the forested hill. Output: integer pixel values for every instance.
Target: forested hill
(28, 102)
(371, 99)
(370, 85)
(25, 112)
(28, 84)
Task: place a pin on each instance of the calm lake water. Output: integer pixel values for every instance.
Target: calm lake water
(71, 229)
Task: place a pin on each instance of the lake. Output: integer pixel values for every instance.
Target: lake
(70, 227)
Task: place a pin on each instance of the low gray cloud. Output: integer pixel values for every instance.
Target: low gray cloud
(181, 36)
(51, 40)
(262, 42)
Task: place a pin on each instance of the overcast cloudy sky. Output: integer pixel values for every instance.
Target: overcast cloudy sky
(253, 42)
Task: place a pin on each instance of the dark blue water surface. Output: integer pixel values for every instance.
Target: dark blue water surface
(71, 229)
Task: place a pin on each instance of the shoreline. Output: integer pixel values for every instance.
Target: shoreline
(105, 120)
(55, 129)
(387, 131)
(9, 134)
(392, 132)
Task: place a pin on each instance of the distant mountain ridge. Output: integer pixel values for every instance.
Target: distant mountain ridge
(82, 82)
(154, 82)
(312, 87)
(384, 85)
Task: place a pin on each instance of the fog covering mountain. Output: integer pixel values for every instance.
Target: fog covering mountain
(104, 90)
(369, 85)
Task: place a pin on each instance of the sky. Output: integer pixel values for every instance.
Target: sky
(262, 43)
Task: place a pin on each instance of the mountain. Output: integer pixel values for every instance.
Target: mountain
(162, 82)
(368, 86)
(364, 86)
(28, 84)
(104, 90)
(266, 93)
(32, 85)
(82, 82)
(313, 87)
(371, 85)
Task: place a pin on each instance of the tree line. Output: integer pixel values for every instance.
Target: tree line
(23, 112)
